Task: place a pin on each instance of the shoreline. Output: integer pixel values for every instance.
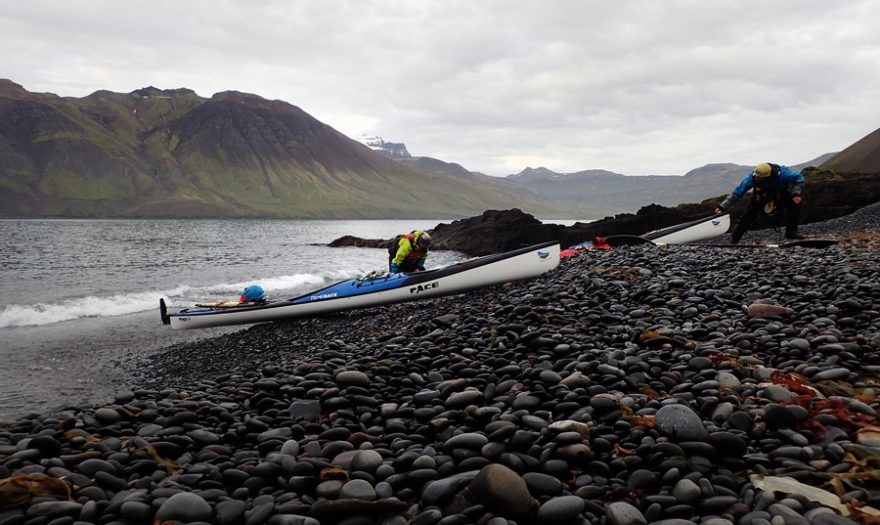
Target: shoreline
(630, 386)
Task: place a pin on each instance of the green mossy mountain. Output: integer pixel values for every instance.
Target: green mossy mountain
(172, 153)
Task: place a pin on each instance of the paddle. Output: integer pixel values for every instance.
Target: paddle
(163, 312)
(802, 243)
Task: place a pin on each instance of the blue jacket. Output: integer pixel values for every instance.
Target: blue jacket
(782, 179)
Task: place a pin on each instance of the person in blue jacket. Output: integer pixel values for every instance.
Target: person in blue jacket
(776, 190)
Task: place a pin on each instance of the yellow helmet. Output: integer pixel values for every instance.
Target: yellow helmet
(424, 239)
(762, 170)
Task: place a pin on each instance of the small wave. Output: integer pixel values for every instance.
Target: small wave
(272, 284)
(130, 303)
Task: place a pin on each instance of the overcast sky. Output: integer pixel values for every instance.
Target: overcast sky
(636, 87)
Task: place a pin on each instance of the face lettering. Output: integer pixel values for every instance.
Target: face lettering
(423, 287)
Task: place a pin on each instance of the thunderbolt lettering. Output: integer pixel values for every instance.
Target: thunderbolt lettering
(422, 287)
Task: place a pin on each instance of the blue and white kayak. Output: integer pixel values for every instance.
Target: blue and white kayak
(467, 275)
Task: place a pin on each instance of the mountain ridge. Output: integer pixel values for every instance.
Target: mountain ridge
(171, 153)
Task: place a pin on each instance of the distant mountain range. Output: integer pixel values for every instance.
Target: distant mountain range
(171, 153)
(596, 193)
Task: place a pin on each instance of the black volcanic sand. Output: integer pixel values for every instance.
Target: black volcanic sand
(640, 385)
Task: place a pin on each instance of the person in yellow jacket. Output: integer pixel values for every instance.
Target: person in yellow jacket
(408, 252)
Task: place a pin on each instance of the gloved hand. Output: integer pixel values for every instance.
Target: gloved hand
(421, 266)
(394, 268)
(797, 199)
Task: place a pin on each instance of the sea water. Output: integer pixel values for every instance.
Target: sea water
(81, 297)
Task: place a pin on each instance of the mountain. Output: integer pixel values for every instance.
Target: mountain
(605, 192)
(861, 157)
(171, 153)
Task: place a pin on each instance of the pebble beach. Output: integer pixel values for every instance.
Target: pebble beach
(641, 385)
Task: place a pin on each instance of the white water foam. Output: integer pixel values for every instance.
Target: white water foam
(129, 303)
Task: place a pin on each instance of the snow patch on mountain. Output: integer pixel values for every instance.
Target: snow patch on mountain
(394, 150)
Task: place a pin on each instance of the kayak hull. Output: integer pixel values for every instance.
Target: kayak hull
(693, 231)
(392, 288)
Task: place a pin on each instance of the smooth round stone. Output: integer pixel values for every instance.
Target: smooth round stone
(700, 363)
(741, 421)
(832, 374)
(727, 443)
(777, 394)
(722, 412)
(787, 514)
(54, 508)
(576, 380)
(778, 416)
(107, 416)
(716, 521)
(680, 423)
(440, 490)
(427, 517)
(366, 460)
(717, 504)
(47, 445)
(463, 399)
(501, 490)
(185, 507)
(290, 448)
(352, 378)
(799, 344)
(357, 489)
(136, 511)
(149, 429)
(604, 402)
(383, 490)
(426, 396)
(525, 402)
(622, 513)
(328, 489)
(560, 509)
(470, 440)
(686, 491)
(543, 484)
(534, 422)
(91, 466)
(641, 479)
(230, 512)
(306, 409)
(729, 381)
(549, 377)
(204, 437)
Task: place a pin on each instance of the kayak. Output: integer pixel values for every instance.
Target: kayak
(390, 288)
(685, 233)
(693, 231)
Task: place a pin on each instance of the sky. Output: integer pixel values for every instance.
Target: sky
(639, 87)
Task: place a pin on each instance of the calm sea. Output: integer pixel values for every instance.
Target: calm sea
(81, 296)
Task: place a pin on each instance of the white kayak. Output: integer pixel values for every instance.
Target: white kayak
(693, 231)
(467, 275)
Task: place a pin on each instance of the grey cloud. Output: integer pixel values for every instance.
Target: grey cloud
(635, 87)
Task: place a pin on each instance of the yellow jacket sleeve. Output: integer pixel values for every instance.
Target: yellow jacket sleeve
(403, 249)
